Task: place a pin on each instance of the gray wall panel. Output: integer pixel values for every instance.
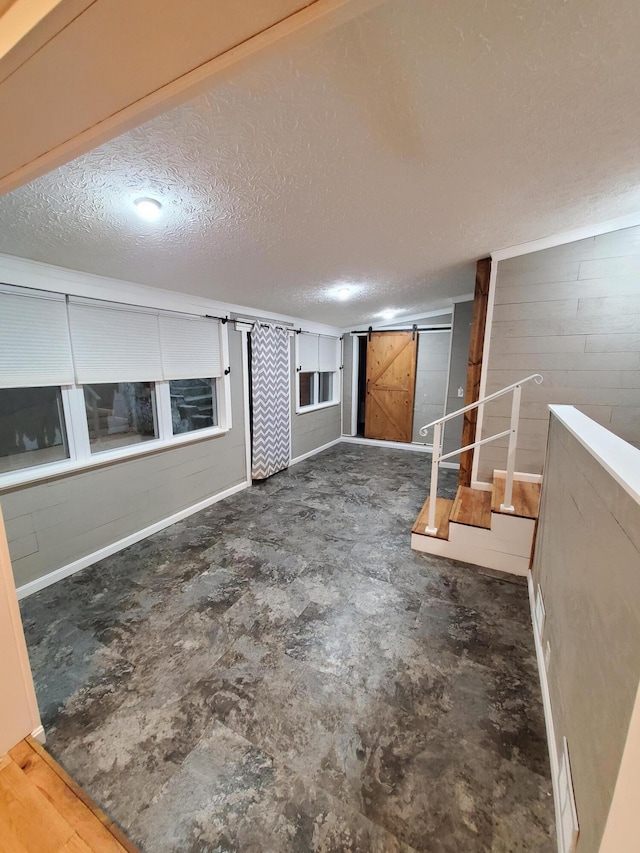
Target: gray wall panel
(571, 313)
(462, 315)
(431, 379)
(586, 562)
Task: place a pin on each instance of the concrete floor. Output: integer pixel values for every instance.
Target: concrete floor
(281, 672)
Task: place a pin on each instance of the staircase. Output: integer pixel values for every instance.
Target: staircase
(495, 527)
(473, 529)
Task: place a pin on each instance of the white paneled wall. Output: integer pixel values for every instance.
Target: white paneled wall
(432, 370)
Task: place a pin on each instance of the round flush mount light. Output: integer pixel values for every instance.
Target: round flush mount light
(342, 291)
(148, 208)
(389, 314)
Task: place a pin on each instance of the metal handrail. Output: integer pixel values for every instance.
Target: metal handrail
(535, 376)
(512, 432)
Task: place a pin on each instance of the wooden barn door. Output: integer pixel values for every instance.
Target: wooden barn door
(391, 379)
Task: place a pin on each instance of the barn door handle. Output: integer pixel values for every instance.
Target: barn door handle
(367, 386)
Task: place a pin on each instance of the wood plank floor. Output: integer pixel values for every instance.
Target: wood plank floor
(443, 512)
(42, 810)
(472, 506)
(526, 497)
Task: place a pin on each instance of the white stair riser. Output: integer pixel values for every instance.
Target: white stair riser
(477, 537)
(512, 528)
(485, 557)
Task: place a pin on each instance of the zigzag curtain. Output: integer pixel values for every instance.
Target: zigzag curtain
(270, 390)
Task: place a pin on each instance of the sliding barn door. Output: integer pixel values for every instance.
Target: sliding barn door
(391, 379)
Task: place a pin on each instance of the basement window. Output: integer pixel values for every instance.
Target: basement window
(307, 387)
(84, 382)
(317, 361)
(193, 404)
(32, 428)
(120, 414)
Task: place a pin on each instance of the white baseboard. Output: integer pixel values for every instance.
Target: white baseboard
(314, 452)
(548, 714)
(398, 445)
(39, 735)
(522, 476)
(107, 551)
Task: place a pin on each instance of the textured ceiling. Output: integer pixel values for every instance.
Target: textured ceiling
(390, 153)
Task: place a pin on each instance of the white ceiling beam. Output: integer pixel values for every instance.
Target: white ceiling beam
(89, 71)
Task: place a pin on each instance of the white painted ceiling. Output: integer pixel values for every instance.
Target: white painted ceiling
(389, 153)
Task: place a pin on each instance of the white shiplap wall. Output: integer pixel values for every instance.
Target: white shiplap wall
(571, 313)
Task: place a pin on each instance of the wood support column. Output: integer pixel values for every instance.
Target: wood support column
(474, 368)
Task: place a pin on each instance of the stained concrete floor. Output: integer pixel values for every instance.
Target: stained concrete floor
(280, 672)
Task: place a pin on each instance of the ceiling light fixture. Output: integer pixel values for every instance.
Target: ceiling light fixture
(343, 293)
(389, 314)
(148, 208)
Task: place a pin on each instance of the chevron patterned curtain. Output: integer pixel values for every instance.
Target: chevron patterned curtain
(270, 390)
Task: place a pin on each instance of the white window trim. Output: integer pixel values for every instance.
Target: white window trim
(302, 410)
(314, 407)
(337, 385)
(77, 429)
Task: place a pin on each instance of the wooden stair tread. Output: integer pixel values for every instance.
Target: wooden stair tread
(526, 497)
(472, 507)
(443, 512)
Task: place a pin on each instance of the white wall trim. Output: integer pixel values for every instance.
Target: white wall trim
(71, 568)
(246, 404)
(481, 486)
(355, 375)
(397, 445)
(522, 476)
(548, 713)
(583, 233)
(39, 735)
(314, 452)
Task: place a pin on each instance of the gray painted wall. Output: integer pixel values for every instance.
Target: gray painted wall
(462, 315)
(586, 562)
(311, 429)
(347, 381)
(51, 524)
(571, 313)
(431, 380)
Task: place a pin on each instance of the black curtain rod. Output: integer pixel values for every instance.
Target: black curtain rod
(284, 328)
(370, 330)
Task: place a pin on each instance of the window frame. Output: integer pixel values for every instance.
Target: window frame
(315, 382)
(75, 421)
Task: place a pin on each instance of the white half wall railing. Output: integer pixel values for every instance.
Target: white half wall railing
(512, 432)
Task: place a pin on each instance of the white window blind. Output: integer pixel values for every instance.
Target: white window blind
(190, 347)
(114, 343)
(328, 358)
(34, 340)
(308, 352)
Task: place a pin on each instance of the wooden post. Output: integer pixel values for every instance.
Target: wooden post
(474, 368)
